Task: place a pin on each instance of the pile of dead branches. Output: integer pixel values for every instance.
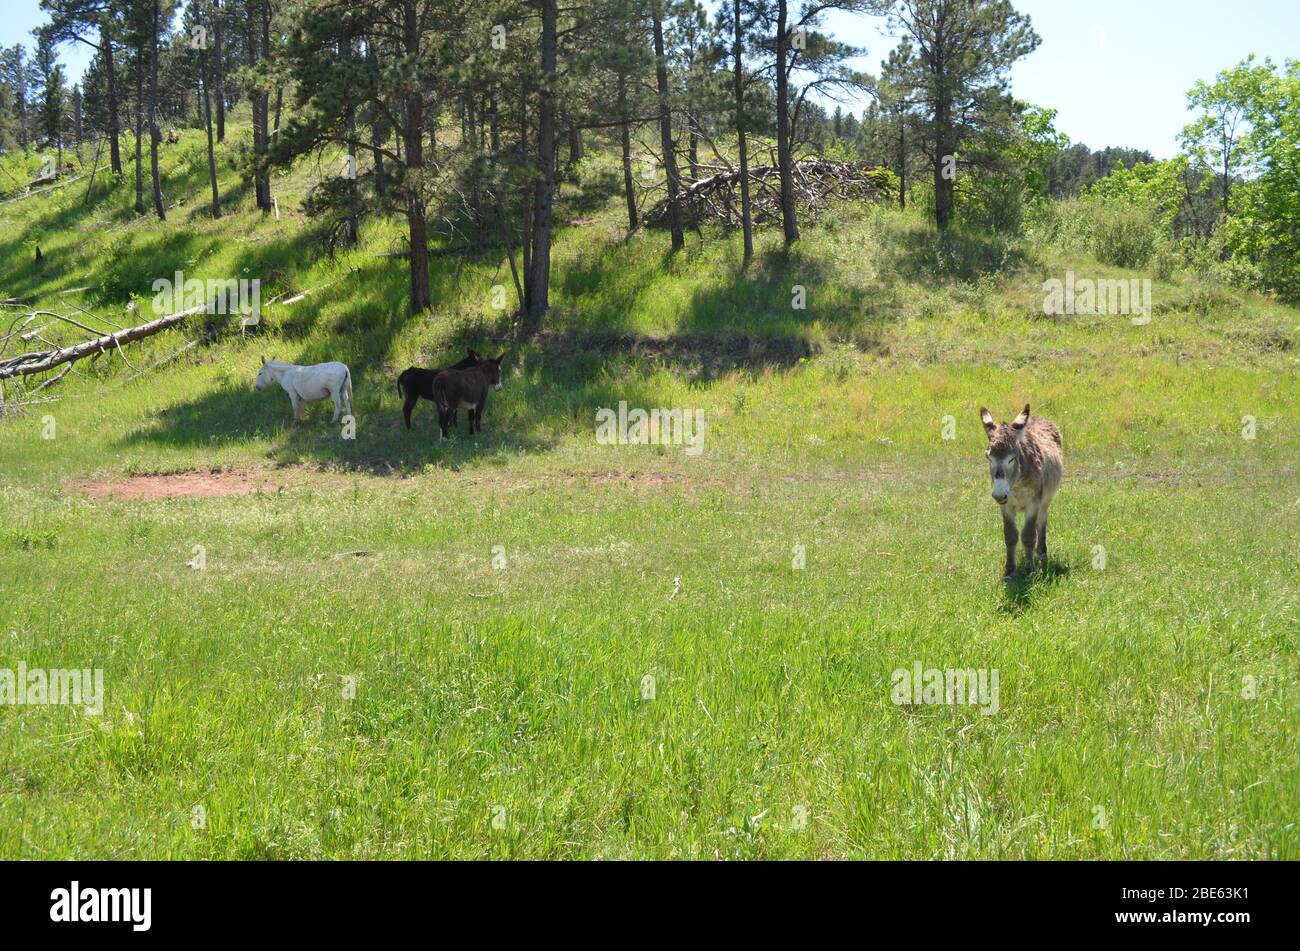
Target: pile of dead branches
(817, 183)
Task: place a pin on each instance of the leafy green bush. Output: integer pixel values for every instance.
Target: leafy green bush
(1121, 234)
(886, 181)
(996, 203)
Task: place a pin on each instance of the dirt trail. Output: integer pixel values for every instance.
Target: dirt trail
(184, 485)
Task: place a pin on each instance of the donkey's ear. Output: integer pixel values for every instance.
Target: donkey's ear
(263, 361)
(474, 355)
(500, 356)
(987, 419)
(1022, 420)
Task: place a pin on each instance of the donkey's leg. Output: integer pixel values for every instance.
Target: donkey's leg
(299, 409)
(1042, 534)
(411, 400)
(337, 396)
(1010, 534)
(1030, 537)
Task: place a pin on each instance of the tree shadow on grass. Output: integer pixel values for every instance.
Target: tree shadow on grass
(958, 254)
(788, 293)
(379, 443)
(783, 293)
(233, 413)
(232, 199)
(1021, 588)
(592, 196)
(555, 384)
(574, 360)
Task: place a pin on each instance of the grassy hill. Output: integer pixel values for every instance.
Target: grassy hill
(502, 708)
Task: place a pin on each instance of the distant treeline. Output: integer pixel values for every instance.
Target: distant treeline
(463, 118)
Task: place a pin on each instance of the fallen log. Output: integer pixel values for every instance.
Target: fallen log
(29, 191)
(42, 360)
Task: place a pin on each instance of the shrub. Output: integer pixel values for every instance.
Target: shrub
(996, 204)
(1122, 234)
(1125, 235)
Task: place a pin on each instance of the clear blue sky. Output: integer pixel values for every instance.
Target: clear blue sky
(1116, 70)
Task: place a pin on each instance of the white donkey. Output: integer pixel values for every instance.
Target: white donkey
(306, 384)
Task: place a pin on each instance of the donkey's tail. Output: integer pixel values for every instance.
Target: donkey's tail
(399, 385)
(347, 385)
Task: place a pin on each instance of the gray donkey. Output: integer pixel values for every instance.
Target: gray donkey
(1025, 461)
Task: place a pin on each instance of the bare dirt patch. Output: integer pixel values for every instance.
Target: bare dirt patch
(643, 480)
(198, 485)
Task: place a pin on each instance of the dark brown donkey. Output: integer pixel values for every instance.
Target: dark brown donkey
(1025, 463)
(416, 383)
(468, 388)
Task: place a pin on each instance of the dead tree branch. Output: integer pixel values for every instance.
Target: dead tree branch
(42, 360)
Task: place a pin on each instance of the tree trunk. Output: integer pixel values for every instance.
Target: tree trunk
(526, 204)
(22, 120)
(258, 50)
(575, 144)
(377, 136)
(264, 101)
(943, 185)
(418, 228)
(784, 158)
(110, 80)
(154, 136)
(381, 183)
(666, 128)
(944, 144)
(139, 134)
(902, 164)
(625, 134)
(352, 158)
(220, 70)
(207, 122)
(738, 85)
(539, 278)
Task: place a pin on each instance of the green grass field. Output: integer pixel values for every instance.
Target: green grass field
(528, 644)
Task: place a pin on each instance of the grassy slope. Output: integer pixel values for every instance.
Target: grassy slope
(521, 687)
